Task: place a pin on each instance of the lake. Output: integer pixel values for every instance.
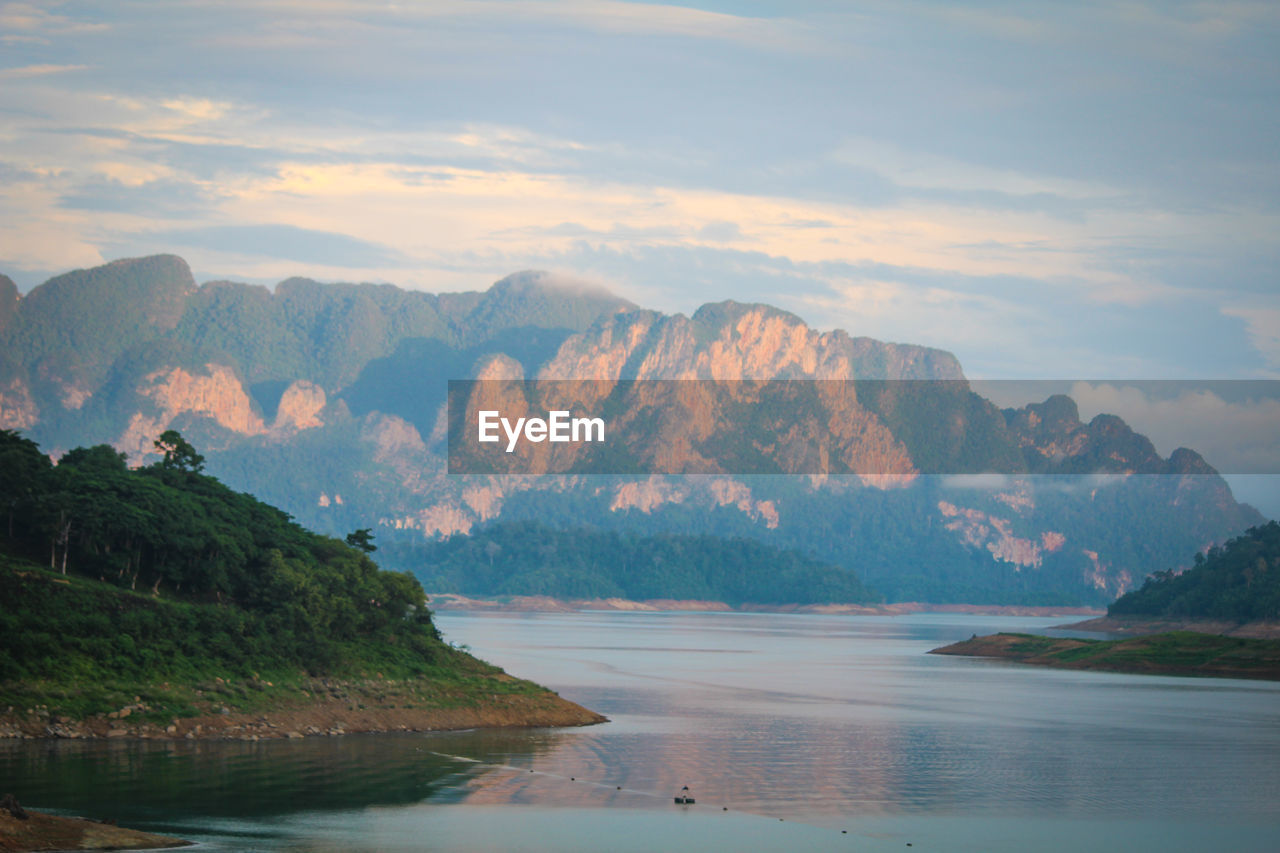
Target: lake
(792, 732)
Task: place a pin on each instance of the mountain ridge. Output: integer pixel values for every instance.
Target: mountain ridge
(326, 399)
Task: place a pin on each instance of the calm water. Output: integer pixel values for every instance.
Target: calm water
(813, 732)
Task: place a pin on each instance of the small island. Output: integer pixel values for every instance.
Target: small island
(1172, 653)
(1230, 598)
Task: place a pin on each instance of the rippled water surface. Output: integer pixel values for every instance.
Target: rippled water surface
(793, 732)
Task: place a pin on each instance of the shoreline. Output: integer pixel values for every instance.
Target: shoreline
(445, 602)
(1176, 653)
(1139, 625)
(348, 708)
(42, 831)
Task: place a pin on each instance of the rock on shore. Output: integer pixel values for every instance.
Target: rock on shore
(39, 831)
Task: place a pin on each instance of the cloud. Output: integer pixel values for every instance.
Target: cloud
(1260, 490)
(637, 19)
(1085, 188)
(978, 482)
(174, 199)
(568, 282)
(720, 232)
(38, 70)
(922, 169)
(28, 17)
(35, 233)
(1263, 326)
(885, 302)
(1231, 424)
(1057, 483)
(284, 242)
(612, 17)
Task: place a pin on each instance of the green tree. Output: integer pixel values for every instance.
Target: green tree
(102, 458)
(22, 470)
(362, 539)
(178, 454)
(232, 580)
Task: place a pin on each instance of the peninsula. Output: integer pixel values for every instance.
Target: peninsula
(1173, 653)
(158, 603)
(1230, 598)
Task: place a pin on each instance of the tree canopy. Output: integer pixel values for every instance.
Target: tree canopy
(179, 535)
(526, 558)
(362, 539)
(1238, 581)
(177, 454)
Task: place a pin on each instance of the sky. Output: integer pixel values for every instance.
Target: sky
(1046, 190)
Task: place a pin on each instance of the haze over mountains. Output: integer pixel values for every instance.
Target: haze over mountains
(326, 400)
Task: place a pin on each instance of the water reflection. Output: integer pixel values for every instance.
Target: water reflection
(837, 722)
(145, 780)
(823, 718)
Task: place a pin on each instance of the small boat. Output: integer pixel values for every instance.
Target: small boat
(683, 798)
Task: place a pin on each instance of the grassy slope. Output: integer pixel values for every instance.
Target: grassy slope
(1172, 653)
(172, 676)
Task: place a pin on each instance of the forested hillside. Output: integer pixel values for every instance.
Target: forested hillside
(1238, 581)
(268, 593)
(526, 558)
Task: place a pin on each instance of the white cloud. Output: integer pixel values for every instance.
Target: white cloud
(1002, 226)
(978, 482)
(34, 231)
(924, 170)
(1237, 436)
(1263, 327)
(603, 16)
(38, 70)
(29, 17)
(910, 313)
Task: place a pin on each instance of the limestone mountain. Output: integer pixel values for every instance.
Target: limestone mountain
(327, 400)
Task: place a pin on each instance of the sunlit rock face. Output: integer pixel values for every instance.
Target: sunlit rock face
(729, 340)
(300, 407)
(17, 408)
(216, 394)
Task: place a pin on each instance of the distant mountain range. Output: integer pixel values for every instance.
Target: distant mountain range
(327, 400)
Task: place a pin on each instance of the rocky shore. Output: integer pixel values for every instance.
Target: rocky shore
(23, 830)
